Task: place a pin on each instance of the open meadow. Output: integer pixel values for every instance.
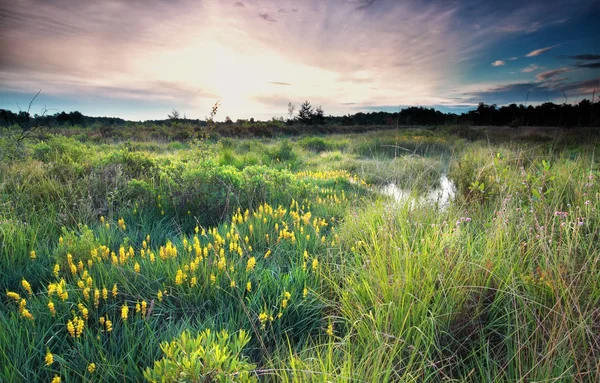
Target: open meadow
(289, 259)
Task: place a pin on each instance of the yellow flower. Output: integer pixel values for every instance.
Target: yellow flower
(232, 284)
(49, 358)
(284, 303)
(56, 270)
(56, 379)
(124, 312)
(159, 296)
(71, 328)
(315, 264)
(329, 329)
(26, 286)
(136, 267)
(13, 295)
(102, 219)
(213, 279)
(249, 286)
(268, 253)
(287, 295)
(51, 308)
(60, 240)
(304, 292)
(251, 263)
(91, 368)
(32, 254)
(108, 325)
(26, 314)
(114, 291)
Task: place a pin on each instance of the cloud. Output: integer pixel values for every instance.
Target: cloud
(585, 57)
(512, 58)
(551, 73)
(265, 16)
(279, 83)
(589, 65)
(538, 52)
(498, 63)
(530, 68)
(386, 53)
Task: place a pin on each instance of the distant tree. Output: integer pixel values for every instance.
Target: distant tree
(228, 120)
(319, 115)
(291, 109)
(174, 115)
(305, 114)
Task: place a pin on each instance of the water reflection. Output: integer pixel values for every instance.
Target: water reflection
(440, 196)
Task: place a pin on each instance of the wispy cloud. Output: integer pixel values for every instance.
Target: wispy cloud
(265, 16)
(538, 52)
(530, 68)
(344, 54)
(498, 63)
(585, 57)
(589, 65)
(551, 73)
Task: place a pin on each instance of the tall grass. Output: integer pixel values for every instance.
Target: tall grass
(502, 285)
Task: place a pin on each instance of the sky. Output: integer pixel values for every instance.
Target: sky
(139, 59)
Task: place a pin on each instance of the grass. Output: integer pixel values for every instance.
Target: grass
(289, 241)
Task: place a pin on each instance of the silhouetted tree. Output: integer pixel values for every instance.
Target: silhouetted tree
(305, 114)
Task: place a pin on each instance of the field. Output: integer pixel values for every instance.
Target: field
(280, 259)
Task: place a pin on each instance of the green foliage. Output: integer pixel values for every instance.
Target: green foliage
(208, 357)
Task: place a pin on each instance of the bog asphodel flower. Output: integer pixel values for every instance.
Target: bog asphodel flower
(251, 263)
(114, 291)
(26, 286)
(49, 358)
(56, 379)
(249, 286)
(51, 308)
(124, 312)
(91, 368)
(32, 254)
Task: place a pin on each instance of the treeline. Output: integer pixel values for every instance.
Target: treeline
(583, 114)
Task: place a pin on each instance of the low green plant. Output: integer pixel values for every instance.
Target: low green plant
(208, 357)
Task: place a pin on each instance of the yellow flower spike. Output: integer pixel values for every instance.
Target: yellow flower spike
(104, 293)
(32, 254)
(91, 368)
(124, 312)
(71, 328)
(108, 325)
(138, 307)
(315, 264)
(213, 279)
(56, 379)
(284, 303)
(60, 240)
(249, 286)
(193, 282)
(159, 296)
(49, 358)
(304, 292)
(232, 284)
(26, 286)
(14, 296)
(51, 308)
(136, 268)
(330, 329)
(251, 264)
(144, 307)
(114, 291)
(56, 269)
(102, 219)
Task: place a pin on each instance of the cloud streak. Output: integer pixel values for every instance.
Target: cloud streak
(538, 52)
(552, 73)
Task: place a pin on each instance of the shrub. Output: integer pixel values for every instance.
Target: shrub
(208, 357)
